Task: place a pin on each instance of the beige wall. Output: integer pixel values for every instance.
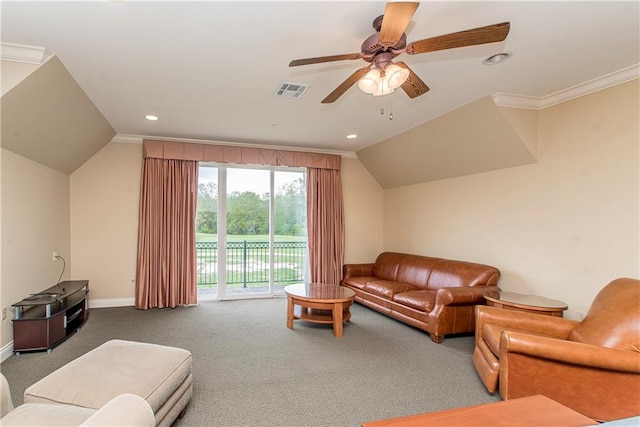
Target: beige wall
(363, 207)
(104, 222)
(35, 223)
(561, 228)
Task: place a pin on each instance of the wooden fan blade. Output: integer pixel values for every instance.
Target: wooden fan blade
(475, 36)
(396, 18)
(340, 90)
(321, 59)
(413, 86)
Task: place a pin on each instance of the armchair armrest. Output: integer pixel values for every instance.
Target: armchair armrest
(599, 382)
(569, 352)
(357, 270)
(123, 410)
(557, 327)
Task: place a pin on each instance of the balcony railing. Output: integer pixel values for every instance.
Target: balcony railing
(248, 263)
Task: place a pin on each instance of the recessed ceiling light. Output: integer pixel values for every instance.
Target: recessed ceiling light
(352, 136)
(151, 117)
(497, 58)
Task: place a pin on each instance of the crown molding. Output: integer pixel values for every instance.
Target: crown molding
(137, 139)
(22, 53)
(573, 92)
(516, 101)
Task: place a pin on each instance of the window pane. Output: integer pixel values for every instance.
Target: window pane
(206, 231)
(290, 228)
(248, 193)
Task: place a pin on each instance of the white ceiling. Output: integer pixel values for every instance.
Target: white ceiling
(209, 70)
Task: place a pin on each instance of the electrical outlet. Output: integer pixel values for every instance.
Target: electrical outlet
(4, 313)
(54, 256)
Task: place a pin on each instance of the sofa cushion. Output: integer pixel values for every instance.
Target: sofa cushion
(415, 270)
(419, 300)
(387, 288)
(453, 274)
(386, 265)
(358, 282)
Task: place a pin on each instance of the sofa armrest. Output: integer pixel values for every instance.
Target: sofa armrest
(534, 323)
(6, 404)
(357, 270)
(467, 295)
(123, 410)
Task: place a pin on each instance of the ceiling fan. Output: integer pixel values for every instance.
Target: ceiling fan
(389, 41)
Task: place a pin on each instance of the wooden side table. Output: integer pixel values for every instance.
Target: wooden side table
(531, 411)
(524, 302)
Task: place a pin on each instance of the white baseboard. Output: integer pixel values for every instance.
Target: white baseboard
(111, 302)
(6, 351)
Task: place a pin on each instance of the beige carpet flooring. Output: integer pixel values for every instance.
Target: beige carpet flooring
(250, 370)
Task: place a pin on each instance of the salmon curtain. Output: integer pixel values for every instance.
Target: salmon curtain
(325, 225)
(166, 262)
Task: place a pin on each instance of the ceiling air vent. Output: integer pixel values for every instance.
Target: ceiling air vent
(291, 90)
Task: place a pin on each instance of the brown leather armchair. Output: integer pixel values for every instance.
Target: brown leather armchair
(591, 366)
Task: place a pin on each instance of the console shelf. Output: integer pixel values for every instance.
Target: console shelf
(46, 319)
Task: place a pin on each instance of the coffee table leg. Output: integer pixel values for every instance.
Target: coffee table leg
(289, 312)
(337, 319)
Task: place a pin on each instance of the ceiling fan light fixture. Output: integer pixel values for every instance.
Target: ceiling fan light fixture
(370, 83)
(395, 75)
(375, 84)
(383, 88)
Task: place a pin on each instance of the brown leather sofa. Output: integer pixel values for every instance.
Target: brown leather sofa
(591, 366)
(434, 294)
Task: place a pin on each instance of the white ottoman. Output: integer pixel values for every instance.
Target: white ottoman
(159, 374)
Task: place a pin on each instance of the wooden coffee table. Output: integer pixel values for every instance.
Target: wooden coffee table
(524, 302)
(319, 303)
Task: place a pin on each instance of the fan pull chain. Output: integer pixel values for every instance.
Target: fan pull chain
(390, 108)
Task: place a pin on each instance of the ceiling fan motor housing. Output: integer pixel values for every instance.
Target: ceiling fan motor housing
(372, 46)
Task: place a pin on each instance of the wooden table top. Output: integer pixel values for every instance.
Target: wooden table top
(319, 291)
(531, 411)
(525, 300)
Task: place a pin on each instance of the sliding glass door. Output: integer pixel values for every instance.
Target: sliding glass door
(253, 241)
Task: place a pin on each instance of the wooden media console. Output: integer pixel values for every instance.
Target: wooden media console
(46, 319)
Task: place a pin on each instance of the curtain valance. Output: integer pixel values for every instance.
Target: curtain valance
(239, 155)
